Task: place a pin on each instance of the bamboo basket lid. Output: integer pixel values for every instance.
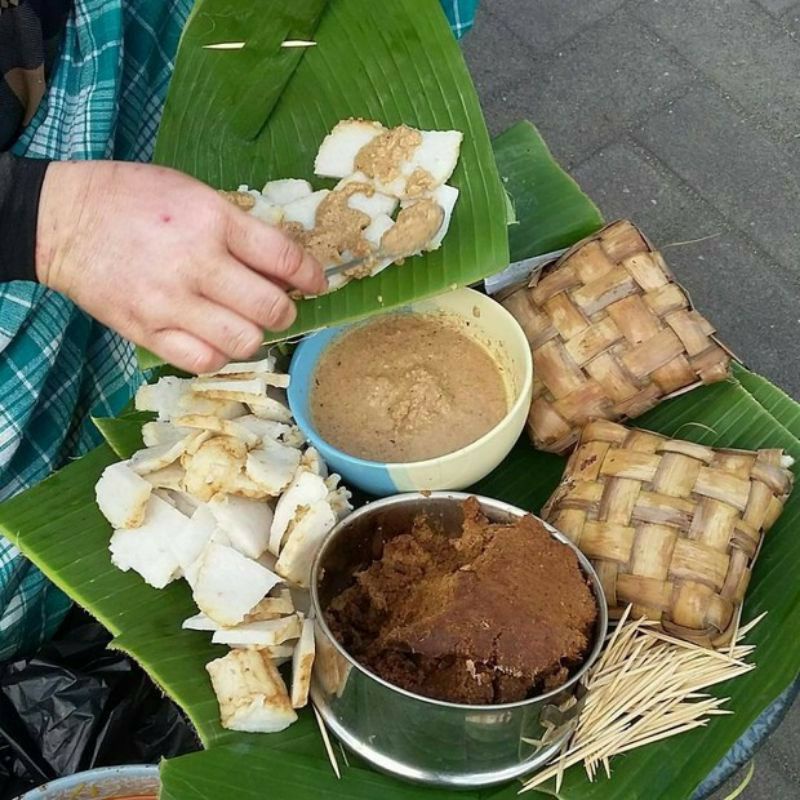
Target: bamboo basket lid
(672, 527)
(611, 335)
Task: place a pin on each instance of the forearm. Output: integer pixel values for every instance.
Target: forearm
(20, 188)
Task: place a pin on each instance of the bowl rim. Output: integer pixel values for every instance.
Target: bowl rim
(73, 781)
(601, 624)
(317, 440)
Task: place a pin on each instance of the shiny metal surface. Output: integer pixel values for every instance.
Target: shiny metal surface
(412, 737)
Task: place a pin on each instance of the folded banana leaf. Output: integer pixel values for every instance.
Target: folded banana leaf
(261, 112)
(58, 526)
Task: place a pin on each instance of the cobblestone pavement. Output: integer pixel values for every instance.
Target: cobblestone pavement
(684, 116)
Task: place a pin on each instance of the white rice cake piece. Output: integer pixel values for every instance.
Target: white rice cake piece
(200, 622)
(286, 190)
(251, 693)
(271, 409)
(218, 466)
(189, 543)
(262, 208)
(152, 459)
(200, 438)
(246, 522)
(183, 501)
(228, 585)
(294, 438)
(267, 608)
(272, 466)
(373, 205)
(251, 388)
(446, 196)
(264, 633)
(155, 433)
(170, 477)
(237, 368)
(172, 397)
(306, 488)
(309, 531)
(302, 665)
(339, 501)
(218, 536)
(214, 424)
(312, 461)
(330, 668)
(374, 232)
(267, 212)
(438, 154)
(264, 428)
(146, 549)
(337, 153)
(304, 210)
(122, 495)
(266, 559)
(282, 652)
(166, 496)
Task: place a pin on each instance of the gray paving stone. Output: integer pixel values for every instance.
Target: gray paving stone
(497, 60)
(546, 24)
(746, 52)
(730, 162)
(791, 21)
(583, 96)
(724, 274)
(776, 7)
(708, 171)
(784, 746)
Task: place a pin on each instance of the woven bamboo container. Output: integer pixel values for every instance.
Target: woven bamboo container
(672, 527)
(611, 334)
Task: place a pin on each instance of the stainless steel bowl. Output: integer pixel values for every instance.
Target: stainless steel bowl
(413, 737)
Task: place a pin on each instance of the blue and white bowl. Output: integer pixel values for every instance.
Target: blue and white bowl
(491, 325)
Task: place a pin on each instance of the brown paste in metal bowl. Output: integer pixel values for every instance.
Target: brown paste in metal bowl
(497, 614)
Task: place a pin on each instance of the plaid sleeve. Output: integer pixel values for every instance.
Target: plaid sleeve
(460, 14)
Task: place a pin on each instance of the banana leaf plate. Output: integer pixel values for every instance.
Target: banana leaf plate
(395, 62)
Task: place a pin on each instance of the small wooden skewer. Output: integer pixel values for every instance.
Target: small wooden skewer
(327, 742)
(647, 686)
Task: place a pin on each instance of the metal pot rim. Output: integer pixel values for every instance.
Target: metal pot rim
(601, 624)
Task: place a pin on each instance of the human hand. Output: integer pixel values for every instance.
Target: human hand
(166, 261)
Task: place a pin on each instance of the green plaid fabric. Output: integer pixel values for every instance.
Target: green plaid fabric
(57, 365)
(460, 14)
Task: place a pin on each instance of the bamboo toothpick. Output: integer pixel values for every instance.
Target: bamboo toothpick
(327, 742)
(646, 687)
(224, 46)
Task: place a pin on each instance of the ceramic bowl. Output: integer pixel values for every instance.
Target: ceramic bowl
(483, 319)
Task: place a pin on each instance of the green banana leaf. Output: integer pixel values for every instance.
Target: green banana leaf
(259, 113)
(58, 526)
(544, 200)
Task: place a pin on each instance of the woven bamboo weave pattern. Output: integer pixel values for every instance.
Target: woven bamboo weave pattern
(611, 335)
(671, 526)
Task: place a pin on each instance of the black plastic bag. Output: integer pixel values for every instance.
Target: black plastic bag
(76, 705)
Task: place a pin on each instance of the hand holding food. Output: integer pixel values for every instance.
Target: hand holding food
(165, 261)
